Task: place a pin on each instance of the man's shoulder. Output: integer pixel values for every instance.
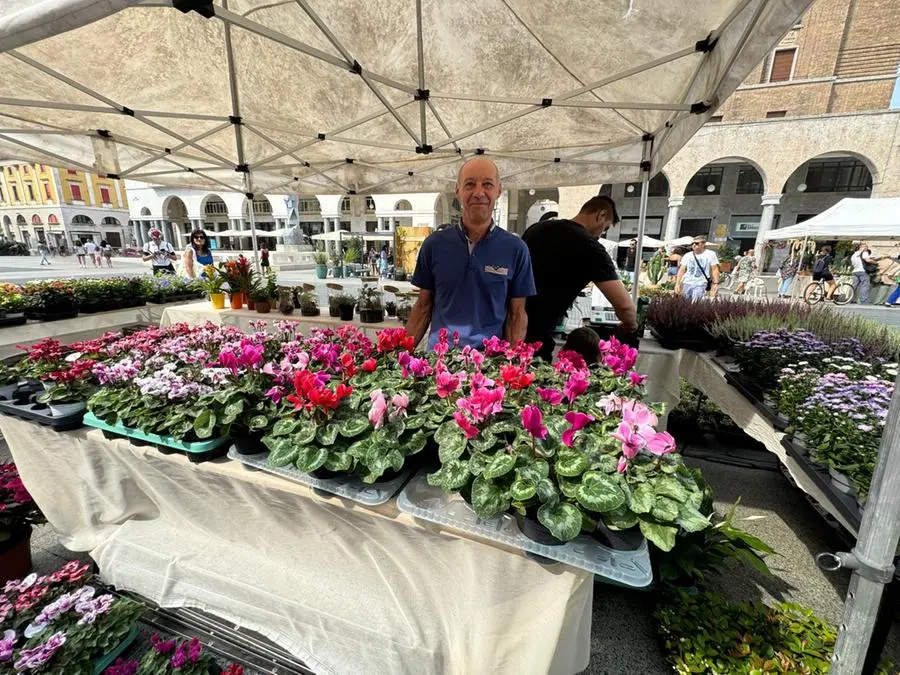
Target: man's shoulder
(509, 239)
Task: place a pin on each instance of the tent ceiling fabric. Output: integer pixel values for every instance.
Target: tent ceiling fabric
(272, 96)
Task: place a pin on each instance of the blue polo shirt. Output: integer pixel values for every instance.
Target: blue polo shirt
(472, 290)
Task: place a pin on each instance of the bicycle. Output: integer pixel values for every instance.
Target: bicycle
(816, 292)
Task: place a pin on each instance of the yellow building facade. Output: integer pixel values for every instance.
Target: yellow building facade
(41, 203)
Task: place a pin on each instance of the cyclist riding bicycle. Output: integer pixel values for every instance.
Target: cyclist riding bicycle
(821, 269)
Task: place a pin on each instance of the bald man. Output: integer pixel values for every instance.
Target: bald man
(473, 278)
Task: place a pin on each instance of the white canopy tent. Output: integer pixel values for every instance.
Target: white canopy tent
(646, 242)
(340, 235)
(348, 97)
(877, 218)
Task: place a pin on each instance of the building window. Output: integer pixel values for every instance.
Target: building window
(72, 172)
(216, 207)
(104, 195)
(838, 175)
(749, 181)
(262, 206)
(775, 114)
(658, 187)
(694, 227)
(345, 204)
(15, 192)
(310, 205)
(782, 68)
(370, 204)
(76, 192)
(706, 182)
(30, 189)
(46, 185)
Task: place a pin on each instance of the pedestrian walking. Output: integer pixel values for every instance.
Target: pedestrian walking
(862, 264)
(159, 253)
(106, 251)
(698, 273)
(787, 272)
(43, 251)
(80, 253)
(91, 249)
(264, 259)
(746, 269)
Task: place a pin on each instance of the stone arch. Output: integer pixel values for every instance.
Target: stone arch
(52, 219)
(791, 181)
(36, 220)
(730, 159)
(81, 219)
(212, 204)
(682, 169)
(111, 221)
(20, 220)
(403, 205)
(174, 208)
(145, 211)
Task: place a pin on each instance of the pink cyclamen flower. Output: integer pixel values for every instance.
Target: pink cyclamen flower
(631, 442)
(636, 378)
(610, 404)
(275, 394)
(378, 411)
(622, 465)
(577, 421)
(661, 443)
(447, 382)
(7, 644)
(576, 385)
(463, 422)
(637, 414)
(551, 396)
(533, 422)
(399, 404)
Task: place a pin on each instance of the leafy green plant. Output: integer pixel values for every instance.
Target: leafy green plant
(708, 634)
(320, 258)
(343, 300)
(51, 296)
(309, 301)
(354, 252)
(370, 297)
(656, 267)
(213, 282)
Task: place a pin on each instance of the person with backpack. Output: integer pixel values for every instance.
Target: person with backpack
(862, 264)
(821, 270)
(698, 272)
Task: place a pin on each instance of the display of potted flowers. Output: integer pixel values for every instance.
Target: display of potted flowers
(59, 623)
(12, 305)
(345, 304)
(71, 387)
(404, 306)
(371, 308)
(263, 294)
(212, 282)
(320, 258)
(18, 513)
(391, 308)
(50, 300)
(309, 303)
(239, 277)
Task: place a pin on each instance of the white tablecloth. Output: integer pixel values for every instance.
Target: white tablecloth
(197, 313)
(346, 588)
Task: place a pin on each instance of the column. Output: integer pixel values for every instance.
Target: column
(136, 225)
(769, 202)
(392, 224)
(672, 218)
(380, 224)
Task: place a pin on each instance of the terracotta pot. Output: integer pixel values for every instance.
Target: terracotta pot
(237, 300)
(15, 556)
(251, 305)
(217, 300)
(263, 307)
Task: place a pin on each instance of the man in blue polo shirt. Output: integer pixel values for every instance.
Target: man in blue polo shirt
(473, 278)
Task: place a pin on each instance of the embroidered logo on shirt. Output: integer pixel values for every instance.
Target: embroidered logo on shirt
(496, 269)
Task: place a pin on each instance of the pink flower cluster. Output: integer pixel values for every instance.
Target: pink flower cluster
(382, 409)
(636, 433)
(485, 400)
(618, 356)
(32, 659)
(241, 356)
(121, 371)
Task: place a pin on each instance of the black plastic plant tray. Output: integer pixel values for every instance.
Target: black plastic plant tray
(40, 413)
(844, 504)
(751, 391)
(12, 321)
(51, 316)
(200, 451)
(675, 343)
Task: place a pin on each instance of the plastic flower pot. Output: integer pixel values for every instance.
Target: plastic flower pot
(371, 315)
(841, 481)
(248, 442)
(251, 305)
(321, 271)
(620, 540)
(539, 534)
(263, 306)
(237, 300)
(346, 312)
(337, 271)
(334, 312)
(217, 300)
(15, 555)
(309, 311)
(63, 409)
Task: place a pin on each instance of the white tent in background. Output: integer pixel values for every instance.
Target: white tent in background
(681, 241)
(646, 242)
(876, 218)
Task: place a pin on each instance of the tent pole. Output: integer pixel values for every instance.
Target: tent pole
(642, 217)
(872, 558)
(252, 221)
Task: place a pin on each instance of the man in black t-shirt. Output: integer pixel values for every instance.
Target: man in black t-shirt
(565, 256)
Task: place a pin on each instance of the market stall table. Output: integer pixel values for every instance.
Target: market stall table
(346, 588)
(198, 313)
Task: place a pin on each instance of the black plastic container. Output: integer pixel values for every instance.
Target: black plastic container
(532, 529)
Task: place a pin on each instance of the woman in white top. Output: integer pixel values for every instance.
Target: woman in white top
(197, 255)
(80, 253)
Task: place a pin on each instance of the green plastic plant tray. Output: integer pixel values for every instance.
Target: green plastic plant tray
(196, 452)
(103, 662)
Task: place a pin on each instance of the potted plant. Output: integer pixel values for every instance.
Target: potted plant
(345, 304)
(334, 290)
(239, 276)
(391, 308)
(51, 300)
(371, 307)
(309, 303)
(404, 307)
(337, 266)
(18, 513)
(261, 299)
(71, 387)
(12, 305)
(212, 283)
(320, 258)
(286, 300)
(725, 254)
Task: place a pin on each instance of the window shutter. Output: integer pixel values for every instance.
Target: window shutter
(782, 63)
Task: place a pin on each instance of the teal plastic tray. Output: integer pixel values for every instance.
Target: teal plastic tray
(104, 662)
(196, 452)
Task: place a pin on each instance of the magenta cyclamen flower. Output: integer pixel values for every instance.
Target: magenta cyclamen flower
(123, 667)
(636, 378)
(577, 421)
(162, 646)
(551, 396)
(533, 421)
(576, 385)
(7, 644)
(447, 382)
(32, 659)
(463, 422)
